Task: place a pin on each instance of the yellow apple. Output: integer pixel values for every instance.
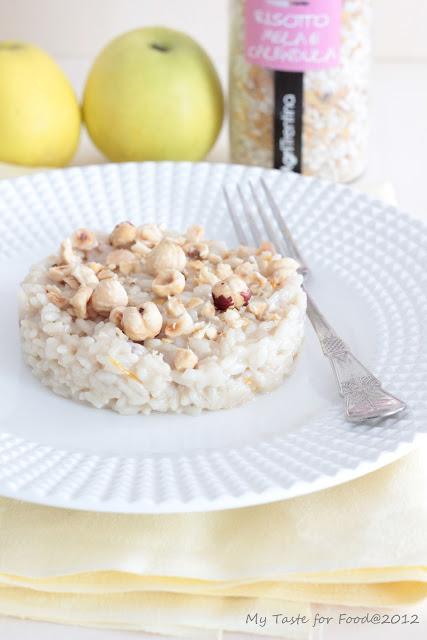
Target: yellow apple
(39, 114)
(153, 94)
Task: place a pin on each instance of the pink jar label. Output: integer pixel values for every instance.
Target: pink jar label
(293, 35)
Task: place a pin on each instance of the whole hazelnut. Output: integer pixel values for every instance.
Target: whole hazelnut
(166, 255)
(107, 295)
(141, 323)
(123, 234)
(233, 292)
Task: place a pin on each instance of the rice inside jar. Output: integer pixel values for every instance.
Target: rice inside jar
(294, 101)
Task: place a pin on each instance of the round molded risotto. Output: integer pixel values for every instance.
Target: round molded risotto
(145, 319)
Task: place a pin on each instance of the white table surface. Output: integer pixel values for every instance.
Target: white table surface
(398, 154)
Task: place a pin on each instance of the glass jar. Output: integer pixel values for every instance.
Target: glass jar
(299, 79)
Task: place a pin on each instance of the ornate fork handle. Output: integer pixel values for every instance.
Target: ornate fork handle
(364, 396)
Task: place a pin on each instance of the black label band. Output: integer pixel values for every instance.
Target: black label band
(288, 111)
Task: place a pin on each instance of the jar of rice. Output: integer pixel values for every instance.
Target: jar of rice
(299, 76)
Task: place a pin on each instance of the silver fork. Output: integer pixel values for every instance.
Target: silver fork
(365, 399)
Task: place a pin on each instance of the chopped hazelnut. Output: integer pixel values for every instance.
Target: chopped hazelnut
(58, 273)
(234, 262)
(84, 240)
(66, 253)
(195, 233)
(199, 330)
(140, 249)
(174, 307)
(211, 332)
(206, 276)
(245, 269)
(214, 258)
(192, 303)
(105, 274)
(116, 316)
(195, 265)
(266, 246)
(55, 296)
(168, 283)
(185, 359)
(183, 325)
(258, 282)
(282, 263)
(181, 240)
(223, 270)
(84, 275)
(208, 310)
(118, 256)
(126, 268)
(95, 266)
(80, 300)
(149, 233)
(257, 307)
(272, 316)
(90, 312)
(196, 250)
(245, 252)
(72, 282)
(232, 318)
(279, 277)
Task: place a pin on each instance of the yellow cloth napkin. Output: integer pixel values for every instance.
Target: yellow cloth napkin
(362, 543)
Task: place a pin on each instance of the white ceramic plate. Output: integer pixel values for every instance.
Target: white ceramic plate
(370, 266)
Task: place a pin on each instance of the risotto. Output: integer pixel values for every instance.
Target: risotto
(145, 319)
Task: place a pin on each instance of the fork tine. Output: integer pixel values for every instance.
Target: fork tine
(292, 248)
(235, 219)
(271, 233)
(248, 213)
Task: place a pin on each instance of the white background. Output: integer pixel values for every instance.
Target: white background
(75, 30)
(79, 28)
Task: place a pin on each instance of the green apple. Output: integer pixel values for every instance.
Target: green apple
(153, 94)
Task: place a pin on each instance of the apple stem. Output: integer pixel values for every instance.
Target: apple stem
(159, 47)
(9, 46)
